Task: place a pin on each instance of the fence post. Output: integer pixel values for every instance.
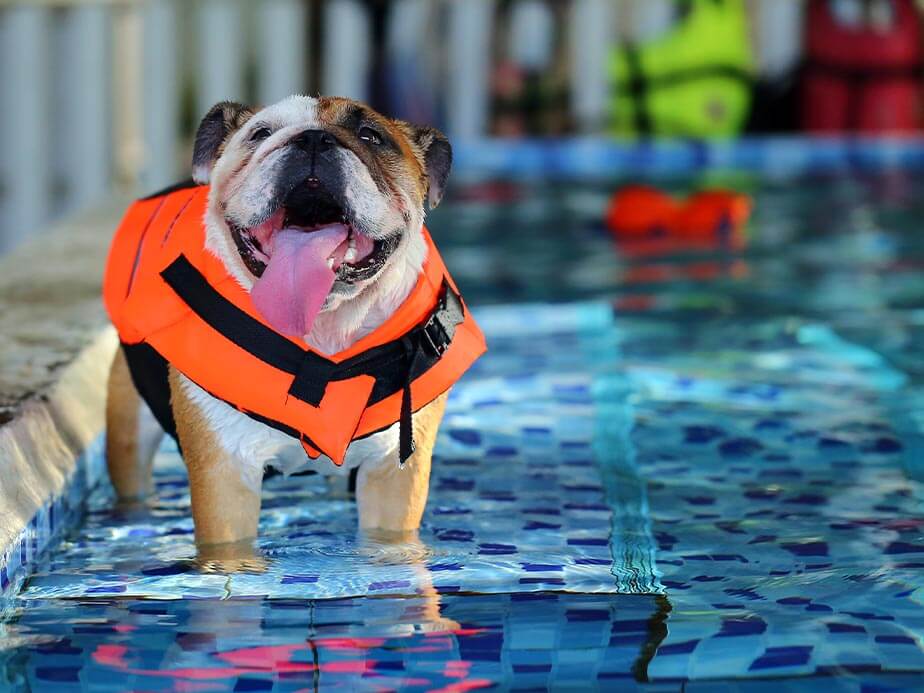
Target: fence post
(283, 49)
(161, 94)
(222, 53)
(127, 92)
(590, 41)
(651, 18)
(82, 105)
(779, 36)
(414, 50)
(467, 98)
(345, 66)
(24, 98)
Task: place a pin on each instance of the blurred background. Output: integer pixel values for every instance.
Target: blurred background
(97, 94)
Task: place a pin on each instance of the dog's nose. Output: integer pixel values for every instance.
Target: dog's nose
(315, 141)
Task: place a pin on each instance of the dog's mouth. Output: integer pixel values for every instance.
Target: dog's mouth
(300, 252)
(355, 258)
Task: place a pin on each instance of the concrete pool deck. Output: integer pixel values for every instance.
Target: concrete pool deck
(56, 345)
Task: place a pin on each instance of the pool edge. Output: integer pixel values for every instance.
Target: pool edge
(51, 455)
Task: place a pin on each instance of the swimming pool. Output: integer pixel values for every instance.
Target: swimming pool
(677, 469)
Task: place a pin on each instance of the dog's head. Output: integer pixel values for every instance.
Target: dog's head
(315, 200)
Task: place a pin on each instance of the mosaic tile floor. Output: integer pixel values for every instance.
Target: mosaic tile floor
(707, 480)
(517, 503)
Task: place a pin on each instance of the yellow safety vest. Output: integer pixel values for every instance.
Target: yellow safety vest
(693, 82)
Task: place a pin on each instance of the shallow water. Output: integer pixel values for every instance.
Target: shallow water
(699, 470)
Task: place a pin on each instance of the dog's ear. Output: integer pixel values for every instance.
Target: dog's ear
(437, 157)
(222, 121)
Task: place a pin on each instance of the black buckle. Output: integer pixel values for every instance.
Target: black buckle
(441, 344)
(439, 330)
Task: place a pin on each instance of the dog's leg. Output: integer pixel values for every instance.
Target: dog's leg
(392, 498)
(409, 550)
(225, 509)
(132, 434)
(391, 503)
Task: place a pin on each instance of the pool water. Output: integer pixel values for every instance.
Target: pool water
(690, 469)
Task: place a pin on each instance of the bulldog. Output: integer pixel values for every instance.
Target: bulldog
(315, 207)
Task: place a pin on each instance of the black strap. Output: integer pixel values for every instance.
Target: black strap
(150, 375)
(394, 365)
(645, 82)
(637, 86)
(232, 322)
(406, 444)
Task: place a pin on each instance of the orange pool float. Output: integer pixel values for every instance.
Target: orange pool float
(641, 212)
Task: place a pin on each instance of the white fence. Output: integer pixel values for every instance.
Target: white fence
(95, 93)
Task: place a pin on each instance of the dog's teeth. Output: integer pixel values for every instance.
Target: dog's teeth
(352, 243)
(330, 263)
(350, 255)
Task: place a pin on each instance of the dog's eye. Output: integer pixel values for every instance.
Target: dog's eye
(367, 134)
(260, 134)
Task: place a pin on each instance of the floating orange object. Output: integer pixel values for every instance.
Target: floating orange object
(641, 212)
(713, 212)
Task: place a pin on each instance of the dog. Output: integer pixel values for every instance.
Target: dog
(304, 172)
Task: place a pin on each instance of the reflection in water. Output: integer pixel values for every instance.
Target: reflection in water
(545, 639)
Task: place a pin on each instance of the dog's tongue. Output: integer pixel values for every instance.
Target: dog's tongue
(297, 280)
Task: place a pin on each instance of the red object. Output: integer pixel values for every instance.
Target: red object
(712, 213)
(640, 212)
(862, 77)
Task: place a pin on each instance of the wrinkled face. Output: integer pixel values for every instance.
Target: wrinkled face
(314, 199)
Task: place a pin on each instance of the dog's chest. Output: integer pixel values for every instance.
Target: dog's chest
(251, 445)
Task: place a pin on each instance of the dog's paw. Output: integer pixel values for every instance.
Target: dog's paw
(222, 566)
(393, 548)
(231, 558)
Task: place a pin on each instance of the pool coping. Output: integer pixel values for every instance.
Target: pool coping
(57, 347)
(598, 157)
(52, 455)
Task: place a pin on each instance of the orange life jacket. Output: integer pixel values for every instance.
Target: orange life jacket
(172, 301)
